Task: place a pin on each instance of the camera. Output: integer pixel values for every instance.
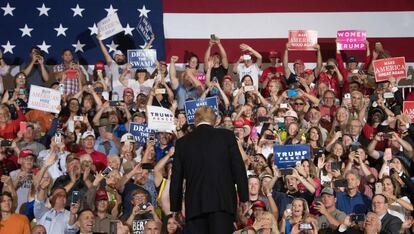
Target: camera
(305, 226)
(387, 136)
(357, 217)
(329, 67)
(318, 151)
(341, 183)
(143, 206)
(6, 143)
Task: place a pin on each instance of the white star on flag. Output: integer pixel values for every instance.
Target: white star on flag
(143, 11)
(110, 10)
(61, 30)
(43, 10)
(44, 47)
(8, 10)
(78, 46)
(94, 29)
(77, 11)
(26, 31)
(112, 46)
(128, 30)
(8, 48)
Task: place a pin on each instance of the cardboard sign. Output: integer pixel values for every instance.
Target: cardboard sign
(144, 28)
(389, 67)
(191, 107)
(303, 39)
(287, 155)
(351, 39)
(408, 109)
(160, 119)
(140, 132)
(44, 99)
(109, 26)
(142, 59)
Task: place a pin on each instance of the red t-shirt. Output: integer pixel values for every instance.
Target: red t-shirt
(12, 127)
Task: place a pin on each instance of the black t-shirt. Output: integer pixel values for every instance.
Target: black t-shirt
(219, 72)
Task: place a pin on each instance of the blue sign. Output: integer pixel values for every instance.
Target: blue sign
(140, 132)
(191, 107)
(142, 59)
(144, 28)
(287, 155)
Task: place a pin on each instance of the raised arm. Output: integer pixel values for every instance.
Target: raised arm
(149, 44)
(318, 60)
(245, 47)
(107, 56)
(173, 73)
(207, 54)
(286, 61)
(223, 54)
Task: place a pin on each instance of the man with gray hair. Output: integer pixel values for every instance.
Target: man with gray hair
(209, 160)
(352, 201)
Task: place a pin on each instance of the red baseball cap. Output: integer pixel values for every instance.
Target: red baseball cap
(259, 203)
(129, 90)
(274, 54)
(238, 124)
(228, 77)
(101, 194)
(26, 153)
(99, 65)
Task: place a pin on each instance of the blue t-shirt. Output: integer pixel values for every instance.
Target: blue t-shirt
(358, 204)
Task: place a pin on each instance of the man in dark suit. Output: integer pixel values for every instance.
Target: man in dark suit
(211, 164)
(389, 223)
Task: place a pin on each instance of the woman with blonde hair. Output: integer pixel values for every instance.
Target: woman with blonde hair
(266, 224)
(296, 214)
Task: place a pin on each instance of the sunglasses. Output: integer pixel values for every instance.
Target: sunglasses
(299, 103)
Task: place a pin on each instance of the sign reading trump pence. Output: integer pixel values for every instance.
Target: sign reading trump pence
(160, 119)
(142, 59)
(389, 67)
(191, 107)
(287, 155)
(44, 99)
(303, 39)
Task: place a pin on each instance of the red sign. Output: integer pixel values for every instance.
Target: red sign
(303, 39)
(408, 109)
(351, 39)
(389, 67)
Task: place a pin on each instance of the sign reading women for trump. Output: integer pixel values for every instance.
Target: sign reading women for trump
(160, 119)
(303, 39)
(140, 132)
(287, 155)
(389, 67)
(142, 59)
(191, 107)
(109, 26)
(44, 99)
(351, 39)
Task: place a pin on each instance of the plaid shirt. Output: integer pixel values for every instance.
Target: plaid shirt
(70, 86)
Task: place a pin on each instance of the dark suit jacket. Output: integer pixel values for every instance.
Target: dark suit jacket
(210, 162)
(390, 224)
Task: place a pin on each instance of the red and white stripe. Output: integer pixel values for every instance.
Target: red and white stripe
(264, 25)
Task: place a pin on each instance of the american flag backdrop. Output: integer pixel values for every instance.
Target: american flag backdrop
(187, 25)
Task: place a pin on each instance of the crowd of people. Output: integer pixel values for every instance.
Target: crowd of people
(82, 171)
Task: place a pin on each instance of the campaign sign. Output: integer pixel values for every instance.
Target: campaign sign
(351, 39)
(201, 77)
(287, 155)
(303, 39)
(160, 119)
(109, 26)
(142, 59)
(138, 226)
(408, 109)
(144, 28)
(389, 67)
(44, 99)
(191, 107)
(140, 132)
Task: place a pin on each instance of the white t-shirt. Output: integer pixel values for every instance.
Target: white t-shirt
(253, 70)
(116, 71)
(398, 210)
(140, 88)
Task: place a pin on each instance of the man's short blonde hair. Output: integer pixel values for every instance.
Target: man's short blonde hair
(205, 114)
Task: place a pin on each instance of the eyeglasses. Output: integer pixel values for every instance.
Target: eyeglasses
(299, 103)
(329, 97)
